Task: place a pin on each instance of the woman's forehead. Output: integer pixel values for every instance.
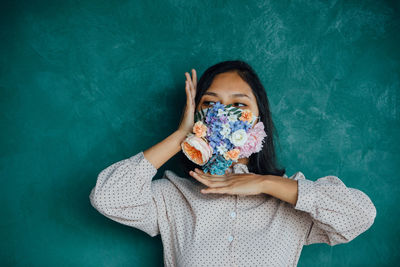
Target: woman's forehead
(229, 83)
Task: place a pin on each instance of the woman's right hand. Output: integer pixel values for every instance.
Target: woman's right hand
(187, 117)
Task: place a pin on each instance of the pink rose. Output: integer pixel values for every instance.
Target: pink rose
(254, 141)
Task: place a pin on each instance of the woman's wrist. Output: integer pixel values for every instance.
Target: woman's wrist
(180, 134)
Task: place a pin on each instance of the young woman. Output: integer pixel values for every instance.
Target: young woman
(254, 215)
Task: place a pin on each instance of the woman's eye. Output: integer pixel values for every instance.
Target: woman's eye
(241, 104)
(208, 103)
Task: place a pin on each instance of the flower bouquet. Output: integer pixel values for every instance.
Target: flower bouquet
(221, 135)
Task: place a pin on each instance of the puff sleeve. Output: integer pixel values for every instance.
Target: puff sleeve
(124, 192)
(338, 213)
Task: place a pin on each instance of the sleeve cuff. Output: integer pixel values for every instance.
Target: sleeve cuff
(143, 164)
(305, 195)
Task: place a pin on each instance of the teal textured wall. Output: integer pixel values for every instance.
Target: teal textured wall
(84, 84)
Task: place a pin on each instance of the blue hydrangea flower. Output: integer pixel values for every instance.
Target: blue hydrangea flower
(217, 165)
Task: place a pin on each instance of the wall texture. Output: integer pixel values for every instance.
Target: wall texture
(84, 84)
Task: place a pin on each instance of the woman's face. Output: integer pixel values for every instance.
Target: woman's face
(229, 88)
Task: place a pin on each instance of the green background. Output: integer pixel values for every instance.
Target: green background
(84, 84)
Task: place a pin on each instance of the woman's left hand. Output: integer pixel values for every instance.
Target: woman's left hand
(231, 183)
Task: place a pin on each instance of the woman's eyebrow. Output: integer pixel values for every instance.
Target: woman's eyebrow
(232, 95)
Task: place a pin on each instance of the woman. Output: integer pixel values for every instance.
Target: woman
(254, 215)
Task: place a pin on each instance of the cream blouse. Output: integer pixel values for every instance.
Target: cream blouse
(229, 230)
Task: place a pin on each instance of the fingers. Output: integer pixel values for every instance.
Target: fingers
(211, 180)
(208, 182)
(194, 74)
(188, 94)
(192, 83)
(189, 79)
(210, 176)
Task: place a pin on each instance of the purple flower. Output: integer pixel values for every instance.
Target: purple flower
(224, 119)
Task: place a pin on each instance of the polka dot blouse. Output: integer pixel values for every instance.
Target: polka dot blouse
(229, 230)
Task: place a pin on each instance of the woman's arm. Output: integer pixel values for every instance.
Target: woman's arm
(125, 192)
(283, 188)
(166, 149)
(338, 213)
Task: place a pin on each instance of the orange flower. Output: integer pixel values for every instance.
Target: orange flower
(200, 129)
(196, 149)
(247, 115)
(193, 153)
(232, 154)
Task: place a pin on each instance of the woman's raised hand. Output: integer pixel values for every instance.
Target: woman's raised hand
(187, 117)
(167, 148)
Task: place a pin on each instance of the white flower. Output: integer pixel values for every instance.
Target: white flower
(226, 130)
(232, 118)
(239, 137)
(222, 149)
(221, 112)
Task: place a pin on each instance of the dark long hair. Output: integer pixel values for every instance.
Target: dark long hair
(263, 162)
